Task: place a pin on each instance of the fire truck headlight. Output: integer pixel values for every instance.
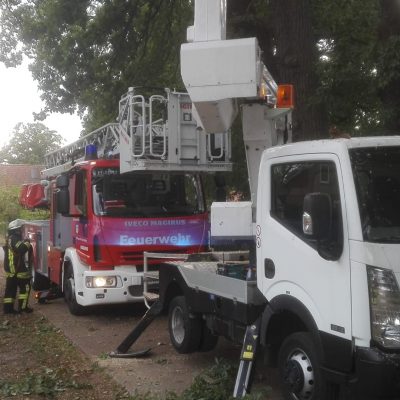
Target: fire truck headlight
(384, 298)
(101, 281)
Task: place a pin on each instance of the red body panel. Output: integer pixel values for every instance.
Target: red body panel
(55, 257)
(104, 242)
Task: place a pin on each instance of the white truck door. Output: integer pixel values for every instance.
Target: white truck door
(289, 262)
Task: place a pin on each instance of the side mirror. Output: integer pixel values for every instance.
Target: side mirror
(62, 194)
(62, 181)
(62, 198)
(317, 216)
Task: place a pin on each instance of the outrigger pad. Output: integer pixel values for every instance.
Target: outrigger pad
(135, 354)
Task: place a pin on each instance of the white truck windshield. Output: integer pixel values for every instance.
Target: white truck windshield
(376, 173)
(145, 194)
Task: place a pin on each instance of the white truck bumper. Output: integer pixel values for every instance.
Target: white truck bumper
(128, 287)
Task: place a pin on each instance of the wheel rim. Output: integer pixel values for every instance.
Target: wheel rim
(299, 375)
(177, 325)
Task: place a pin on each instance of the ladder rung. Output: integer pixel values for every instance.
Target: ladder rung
(150, 296)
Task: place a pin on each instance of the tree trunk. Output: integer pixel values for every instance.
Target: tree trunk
(293, 62)
(390, 94)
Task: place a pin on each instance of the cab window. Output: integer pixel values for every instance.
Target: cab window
(80, 200)
(291, 182)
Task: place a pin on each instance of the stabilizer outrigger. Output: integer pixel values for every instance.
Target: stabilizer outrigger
(122, 350)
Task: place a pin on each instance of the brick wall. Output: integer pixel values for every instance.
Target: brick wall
(18, 174)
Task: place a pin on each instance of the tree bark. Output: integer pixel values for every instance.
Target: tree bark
(390, 94)
(293, 59)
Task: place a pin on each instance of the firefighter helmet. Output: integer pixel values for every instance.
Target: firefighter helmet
(16, 224)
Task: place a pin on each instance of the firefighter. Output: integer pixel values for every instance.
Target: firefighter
(17, 265)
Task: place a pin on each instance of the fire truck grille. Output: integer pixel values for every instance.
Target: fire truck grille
(136, 258)
(132, 257)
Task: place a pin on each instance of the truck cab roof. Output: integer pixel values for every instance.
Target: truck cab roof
(335, 146)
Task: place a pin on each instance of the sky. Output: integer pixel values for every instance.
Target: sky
(19, 98)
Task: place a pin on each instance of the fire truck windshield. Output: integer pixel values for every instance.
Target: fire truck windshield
(145, 194)
(377, 178)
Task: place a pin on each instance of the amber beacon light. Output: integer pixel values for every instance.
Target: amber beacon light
(285, 96)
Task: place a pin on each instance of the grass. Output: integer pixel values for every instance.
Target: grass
(45, 382)
(38, 362)
(46, 365)
(215, 383)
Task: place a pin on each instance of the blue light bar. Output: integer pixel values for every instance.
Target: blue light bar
(91, 152)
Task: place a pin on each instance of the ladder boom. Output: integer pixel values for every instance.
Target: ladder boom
(160, 133)
(105, 138)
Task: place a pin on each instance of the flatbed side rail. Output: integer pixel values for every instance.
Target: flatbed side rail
(147, 278)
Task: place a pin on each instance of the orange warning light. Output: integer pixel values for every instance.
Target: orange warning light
(285, 96)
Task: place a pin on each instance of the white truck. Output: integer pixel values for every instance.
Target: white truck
(318, 287)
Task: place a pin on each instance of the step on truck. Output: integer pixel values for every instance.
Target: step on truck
(128, 187)
(317, 287)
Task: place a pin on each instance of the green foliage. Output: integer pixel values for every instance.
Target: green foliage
(46, 365)
(348, 35)
(29, 144)
(87, 53)
(103, 356)
(45, 382)
(215, 383)
(358, 57)
(33, 215)
(358, 64)
(10, 209)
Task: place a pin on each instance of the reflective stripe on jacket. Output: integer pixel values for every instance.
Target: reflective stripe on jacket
(9, 266)
(14, 260)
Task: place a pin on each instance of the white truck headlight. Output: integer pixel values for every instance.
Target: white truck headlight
(384, 299)
(101, 281)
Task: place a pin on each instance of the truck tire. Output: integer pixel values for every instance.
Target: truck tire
(299, 369)
(184, 329)
(208, 339)
(69, 294)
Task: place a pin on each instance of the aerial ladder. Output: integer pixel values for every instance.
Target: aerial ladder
(155, 134)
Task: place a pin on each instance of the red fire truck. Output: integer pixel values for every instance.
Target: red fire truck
(128, 187)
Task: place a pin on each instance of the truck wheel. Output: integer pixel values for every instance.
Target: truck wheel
(299, 369)
(184, 328)
(208, 339)
(69, 295)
